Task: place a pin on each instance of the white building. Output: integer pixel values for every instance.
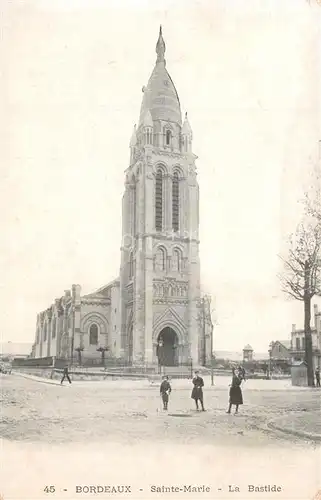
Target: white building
(298, 341)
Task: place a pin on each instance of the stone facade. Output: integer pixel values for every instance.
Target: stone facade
(248, 353)
(280, 350)
(75, 323)
(298, 341)
(153, 310)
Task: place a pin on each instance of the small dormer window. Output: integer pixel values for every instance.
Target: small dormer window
(168, 137)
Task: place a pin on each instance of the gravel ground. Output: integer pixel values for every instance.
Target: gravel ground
(128, 411)
(115, 433)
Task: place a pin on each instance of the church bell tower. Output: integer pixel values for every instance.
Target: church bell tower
(160, 269)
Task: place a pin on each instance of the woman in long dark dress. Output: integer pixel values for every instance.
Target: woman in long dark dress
(236, 397)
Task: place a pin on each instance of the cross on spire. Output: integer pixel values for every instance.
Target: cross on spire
(160, 47)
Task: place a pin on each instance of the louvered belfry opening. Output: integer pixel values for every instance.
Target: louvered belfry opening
(175, 201)
(159, 201)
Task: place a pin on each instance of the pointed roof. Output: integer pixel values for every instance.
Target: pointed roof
(160, 47)
(285, 343)
(186, 129)
(133, 140)
(160, 95)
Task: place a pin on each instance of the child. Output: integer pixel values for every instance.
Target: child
(165, 390)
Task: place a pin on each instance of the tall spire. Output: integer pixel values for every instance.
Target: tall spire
(160, 47)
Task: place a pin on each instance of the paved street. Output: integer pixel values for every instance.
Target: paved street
(119, 426)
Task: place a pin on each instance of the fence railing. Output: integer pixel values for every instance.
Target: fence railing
(110, 365)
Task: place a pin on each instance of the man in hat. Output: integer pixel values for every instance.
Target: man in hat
(165, 390)
(197, 392)
(317, 376)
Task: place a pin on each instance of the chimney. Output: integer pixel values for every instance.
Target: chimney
(293, 327)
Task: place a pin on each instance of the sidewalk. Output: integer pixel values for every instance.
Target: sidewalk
(35, 378)
(306, 424)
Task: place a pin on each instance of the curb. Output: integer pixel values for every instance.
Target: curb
(293, 432)
(36, 379)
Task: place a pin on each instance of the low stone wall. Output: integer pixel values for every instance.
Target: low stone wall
(36, 372)
(56, 374)
(101, 374)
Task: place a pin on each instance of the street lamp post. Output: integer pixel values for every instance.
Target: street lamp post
(79, 350)
(102, 350)
(160, 355)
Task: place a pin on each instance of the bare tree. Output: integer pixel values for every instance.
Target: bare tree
(301, 278)
(312, 199)
(313, 206)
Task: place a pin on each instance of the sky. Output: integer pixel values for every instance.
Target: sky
(247, 72)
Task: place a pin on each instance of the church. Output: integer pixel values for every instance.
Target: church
(152, 311)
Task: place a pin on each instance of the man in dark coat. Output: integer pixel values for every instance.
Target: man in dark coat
(317, 376)
(66, 375)
(197, 392)
(165, 390)
(236, 397)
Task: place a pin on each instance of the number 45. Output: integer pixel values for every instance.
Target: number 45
(49, 489)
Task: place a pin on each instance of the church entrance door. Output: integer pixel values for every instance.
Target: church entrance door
(167, 348)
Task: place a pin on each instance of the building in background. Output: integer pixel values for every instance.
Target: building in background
(280, 356)
(151, 311)
(298, 341)
(247, 353)
(281, 350)
(11, 350)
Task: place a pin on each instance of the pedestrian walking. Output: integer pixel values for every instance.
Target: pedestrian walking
(197, 392)
(165, 390)
(236, 397)
(317, 376)
(65, 375)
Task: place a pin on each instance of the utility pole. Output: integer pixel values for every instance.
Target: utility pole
(212, 364)
(208, 318)
(203, 331)
(204, 319)
(73, 335)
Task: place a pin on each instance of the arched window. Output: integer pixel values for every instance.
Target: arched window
(53, 328)
(168, 137)
(93, 334)
(149, 136)
(159, 200)
(175, 202)
(160, 260)
(133, 205)
(131, 265)
(177, 260)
